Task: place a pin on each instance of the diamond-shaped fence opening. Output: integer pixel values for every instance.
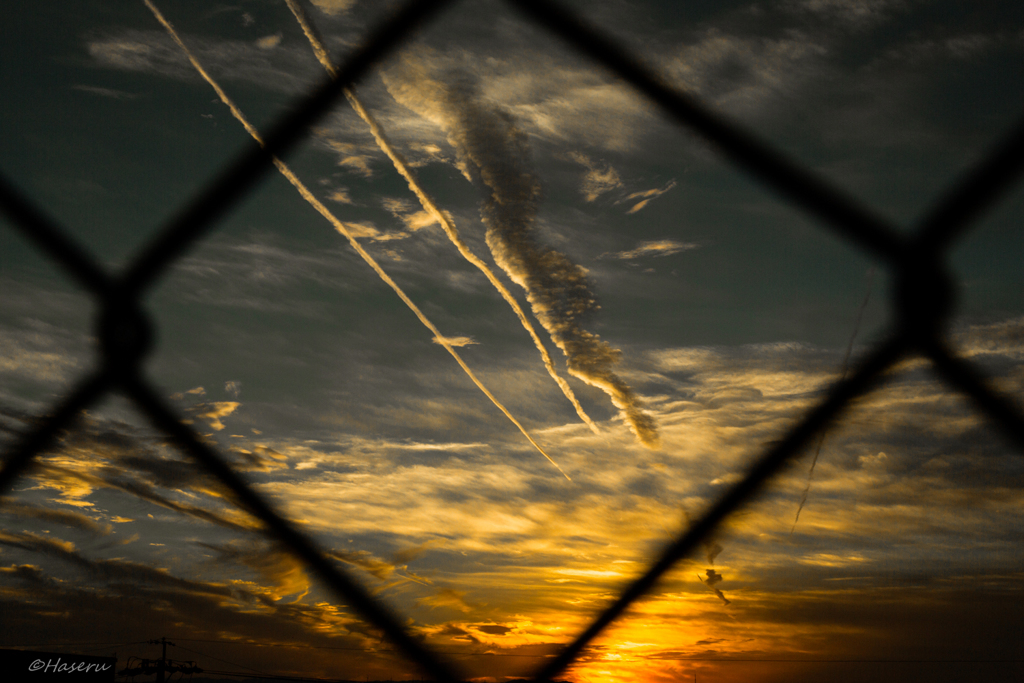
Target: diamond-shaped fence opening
(922, 299)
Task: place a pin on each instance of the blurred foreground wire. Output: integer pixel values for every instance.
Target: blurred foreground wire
(923, 301)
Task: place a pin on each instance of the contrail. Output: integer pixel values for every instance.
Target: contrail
(714, 578)
(846, 363)
(557, 289)
(340, 227)
(431, 207)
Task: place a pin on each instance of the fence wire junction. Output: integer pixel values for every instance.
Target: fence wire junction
(923, 299)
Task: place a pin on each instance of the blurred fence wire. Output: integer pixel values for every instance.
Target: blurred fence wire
(922, 299)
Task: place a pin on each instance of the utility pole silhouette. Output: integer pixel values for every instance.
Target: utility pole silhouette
(160, 667)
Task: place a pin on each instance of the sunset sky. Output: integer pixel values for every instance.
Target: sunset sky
(531, 233)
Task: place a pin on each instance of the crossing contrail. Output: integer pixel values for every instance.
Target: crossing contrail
(493, 148)
(846, 363)
(341, 228)
(431, 208)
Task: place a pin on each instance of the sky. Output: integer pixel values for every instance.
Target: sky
(498, 331)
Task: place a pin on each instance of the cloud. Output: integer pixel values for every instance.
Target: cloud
(105, 92)
(944, 483)
(447, 597)
(856, 12)
(358, 163)
(407, 555)
(110, 455)
(711, 582)
(489, 141)
(196, 391)
(281, 68)
(365, 561)
(284, 572)
(112, 570)
(333, 7)
(597, 180)
(457, 341)
(648, 196)
(213, 411)
(346, 232)
(665, 247)
(405, 211)
(262, 274)
(713, 550)
(568, 104)
(741, 73)
(363, 231)
(75, 483)
(121, 599)
(269, 42)
(963, 47)
(397, 206)
(432, 213)
(340, 196)
(30, 354)
(76, 520)
(123, 54)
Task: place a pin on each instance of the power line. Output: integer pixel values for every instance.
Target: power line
(223, 661)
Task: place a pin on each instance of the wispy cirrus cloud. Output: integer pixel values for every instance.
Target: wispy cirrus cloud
(284, 69)
(855, 12)
(432, 213)
(665, 247)
(68, 518)
(908, 467)
(458, 341)
(333, 7)
(348, 234)
(599, 179)
(646, 196)
(105, 92)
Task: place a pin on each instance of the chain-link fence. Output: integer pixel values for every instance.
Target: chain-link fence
(923, 300)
